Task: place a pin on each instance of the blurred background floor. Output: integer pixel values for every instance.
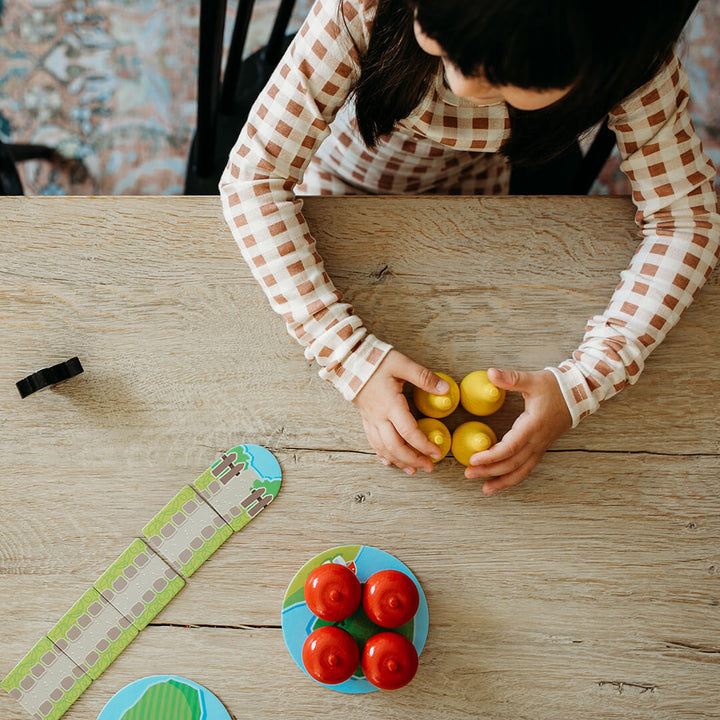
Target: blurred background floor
(113, 83)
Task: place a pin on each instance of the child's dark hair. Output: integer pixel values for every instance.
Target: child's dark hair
(603, 50)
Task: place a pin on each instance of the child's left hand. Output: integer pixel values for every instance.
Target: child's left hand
(545, 419)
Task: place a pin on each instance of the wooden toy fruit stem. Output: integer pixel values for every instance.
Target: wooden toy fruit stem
(481, 442)
(441, 402)
(436, 437)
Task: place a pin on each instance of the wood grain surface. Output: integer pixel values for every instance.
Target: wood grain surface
(592, 590)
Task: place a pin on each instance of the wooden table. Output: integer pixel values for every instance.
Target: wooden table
(590, 591)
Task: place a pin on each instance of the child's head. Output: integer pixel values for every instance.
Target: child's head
(574, 59)
(524, 43)
(476, 86)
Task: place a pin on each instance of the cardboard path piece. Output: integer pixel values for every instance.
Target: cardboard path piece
(143, 580)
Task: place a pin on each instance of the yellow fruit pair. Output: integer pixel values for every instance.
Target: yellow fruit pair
(468, 438)
(476, 393)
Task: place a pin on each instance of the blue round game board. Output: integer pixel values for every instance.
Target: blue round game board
(298, 621)
(164, 697)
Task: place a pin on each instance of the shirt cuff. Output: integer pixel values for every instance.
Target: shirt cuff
(350, 375)
(580, 401)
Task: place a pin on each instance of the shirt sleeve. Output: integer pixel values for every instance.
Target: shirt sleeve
(677, 216)
(286, 125)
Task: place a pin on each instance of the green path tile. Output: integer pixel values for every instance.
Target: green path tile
(93, 633)
(139, 584)
(186, 532)
(236, 489)
(46, 682)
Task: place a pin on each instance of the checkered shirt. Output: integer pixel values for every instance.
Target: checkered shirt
(301, 138)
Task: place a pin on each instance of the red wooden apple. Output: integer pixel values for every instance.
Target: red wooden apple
(389, 660)
(330, 655)
(390, 598)
(332, 592)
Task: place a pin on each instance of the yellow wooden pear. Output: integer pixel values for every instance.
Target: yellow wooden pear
(437, 406)
(469, 438)
(479, 396)
(436, 433)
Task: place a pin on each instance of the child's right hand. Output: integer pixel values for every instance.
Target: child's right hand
(389, 425)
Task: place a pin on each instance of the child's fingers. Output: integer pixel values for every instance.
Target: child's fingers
(388, 458)
(422, 377)
(391, 448)
(408, 429)
(512, 379)
(402, 454)
(511, 444)
(502, 467)
(375, 443)
(513, 478)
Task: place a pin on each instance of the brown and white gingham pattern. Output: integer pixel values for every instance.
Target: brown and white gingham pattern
(301, 138)
(677, 213)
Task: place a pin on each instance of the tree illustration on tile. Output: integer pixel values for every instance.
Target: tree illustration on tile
(186, 532)
(168, 699)
(241, 483)
(92, 633)
(46, 682)
(139, 584)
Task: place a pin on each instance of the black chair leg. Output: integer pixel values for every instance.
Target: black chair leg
(9, 179)
(223, 106)
(212, 23)
(594, 160)
(277, 44)
(20, 152)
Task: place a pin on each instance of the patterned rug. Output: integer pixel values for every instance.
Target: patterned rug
(112, 84)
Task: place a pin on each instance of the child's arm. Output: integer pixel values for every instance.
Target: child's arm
(287, 124)
(677, 214)
(672, 185)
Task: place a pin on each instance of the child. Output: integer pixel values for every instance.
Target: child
(421, 96)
